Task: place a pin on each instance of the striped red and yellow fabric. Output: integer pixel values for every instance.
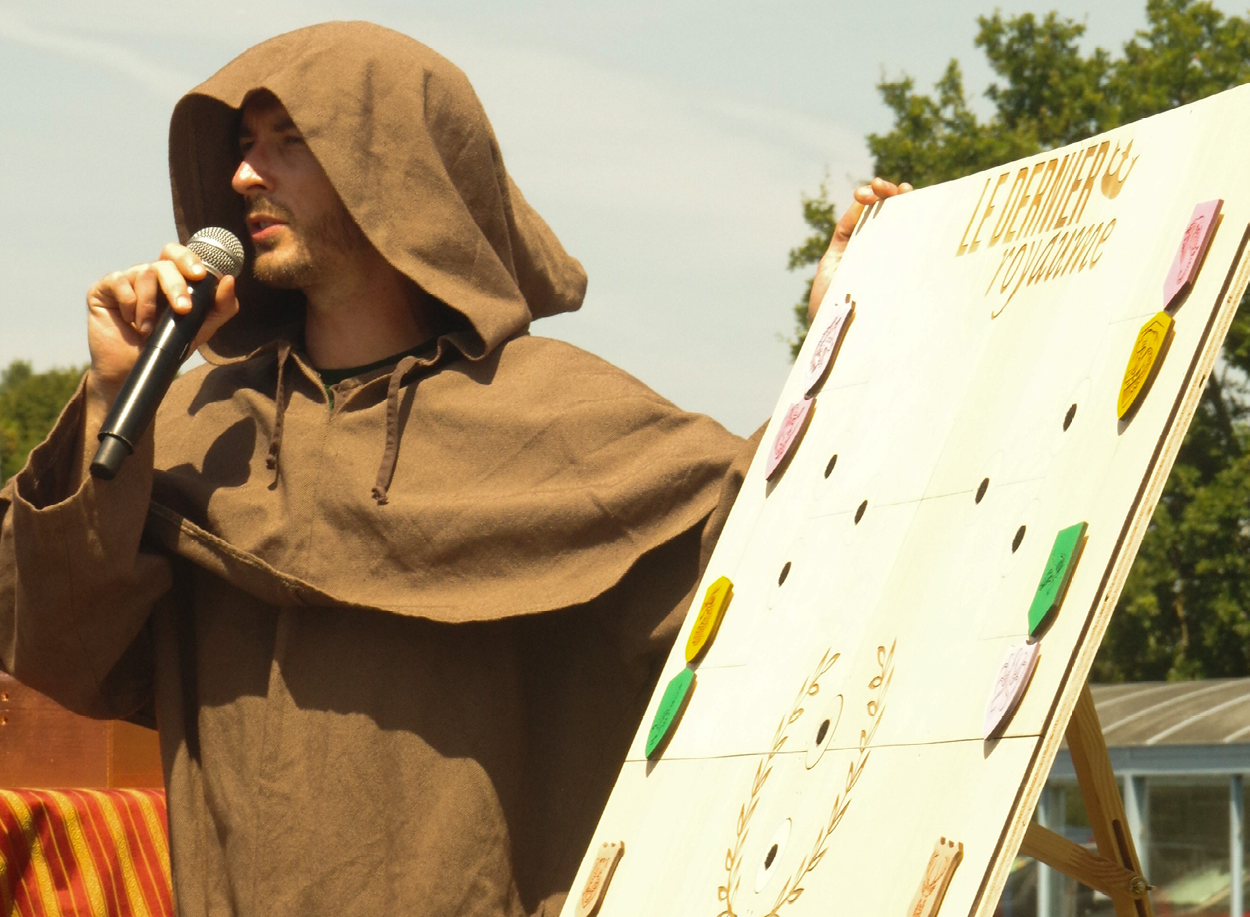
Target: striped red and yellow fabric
(74, 853)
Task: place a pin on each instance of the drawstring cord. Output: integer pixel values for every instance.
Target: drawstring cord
(386, 470)
(275, 438)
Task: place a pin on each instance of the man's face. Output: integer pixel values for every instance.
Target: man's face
(299, 226)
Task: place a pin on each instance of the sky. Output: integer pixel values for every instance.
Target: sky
(667, 143)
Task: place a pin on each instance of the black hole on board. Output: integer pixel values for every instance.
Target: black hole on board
(822, 732)
(1015, 542)
(772, 855)
(785, 571)
(829, 468)
(859, 513)
(985, 485)
(1067, 418)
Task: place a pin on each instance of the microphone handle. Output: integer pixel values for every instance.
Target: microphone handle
(150, 378)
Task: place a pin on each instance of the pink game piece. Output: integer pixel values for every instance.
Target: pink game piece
(1193, 246)
(1009, 686)
(818, 365)
(788, 434)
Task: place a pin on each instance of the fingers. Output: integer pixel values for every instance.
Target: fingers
(187, 261)
(145, 284)
(113, 293)
(123, 307)
(864, 196)
(173, 285)
(132, 294)
(176, 266)
(883, 189)
(879, 189)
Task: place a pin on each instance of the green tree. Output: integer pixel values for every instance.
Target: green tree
(29, 405)
(1185, 610)
(821, 217)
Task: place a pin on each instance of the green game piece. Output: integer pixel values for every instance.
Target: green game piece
(1055, 578)
(671, 706)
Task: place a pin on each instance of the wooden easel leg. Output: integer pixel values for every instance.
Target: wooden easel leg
(1103, 804)
(1115, 869)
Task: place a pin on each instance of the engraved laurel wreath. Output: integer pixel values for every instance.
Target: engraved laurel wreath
(793, 888)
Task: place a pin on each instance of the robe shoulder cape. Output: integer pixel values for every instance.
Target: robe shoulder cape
(527, 481)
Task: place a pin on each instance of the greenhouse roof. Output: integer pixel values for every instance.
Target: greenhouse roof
(1213, 711)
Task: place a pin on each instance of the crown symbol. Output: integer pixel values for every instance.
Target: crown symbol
(1112, 181)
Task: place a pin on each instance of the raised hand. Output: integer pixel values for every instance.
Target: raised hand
(122, 308)
(867, 195)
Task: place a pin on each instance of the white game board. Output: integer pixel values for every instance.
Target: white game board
(984, 346)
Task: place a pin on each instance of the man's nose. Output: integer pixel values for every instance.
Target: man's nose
(247, 179)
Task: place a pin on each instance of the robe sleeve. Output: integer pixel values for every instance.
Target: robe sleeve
(76, 585)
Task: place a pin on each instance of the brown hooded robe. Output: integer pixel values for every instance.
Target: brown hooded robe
(396, 646)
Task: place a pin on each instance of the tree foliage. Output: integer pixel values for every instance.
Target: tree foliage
(30, 402)
(1185, 610)
(821, 218)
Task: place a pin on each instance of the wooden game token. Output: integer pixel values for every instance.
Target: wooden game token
(1152, 341)
(937, 878)
(715, 601)
(672, 705)
(822, 357)
(1193, 246)
(597, 882)
(1064, 554)
(788, 435)
(1009, 686)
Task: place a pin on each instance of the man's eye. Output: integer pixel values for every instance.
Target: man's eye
(293, 140)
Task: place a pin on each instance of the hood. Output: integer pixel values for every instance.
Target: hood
(404, 140)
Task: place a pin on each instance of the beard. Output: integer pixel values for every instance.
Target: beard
(311, 251)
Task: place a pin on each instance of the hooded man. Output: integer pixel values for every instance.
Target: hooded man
(392, 575)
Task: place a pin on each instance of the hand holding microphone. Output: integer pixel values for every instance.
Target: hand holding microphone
(136, 352)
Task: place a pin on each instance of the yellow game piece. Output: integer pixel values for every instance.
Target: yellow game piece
(705, 625)
(1147, 350)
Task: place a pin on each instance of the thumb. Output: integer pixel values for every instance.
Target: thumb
(225, 307)
(845, 226)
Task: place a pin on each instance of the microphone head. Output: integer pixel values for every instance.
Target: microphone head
(219, 249)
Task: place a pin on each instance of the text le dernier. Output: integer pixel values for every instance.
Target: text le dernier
(1039, 221)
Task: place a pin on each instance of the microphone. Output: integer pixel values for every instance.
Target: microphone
(163, 353)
